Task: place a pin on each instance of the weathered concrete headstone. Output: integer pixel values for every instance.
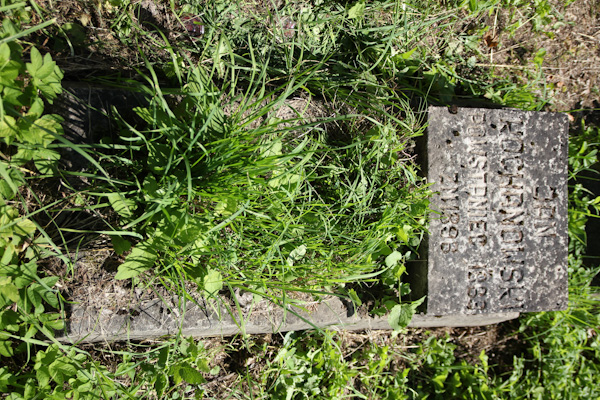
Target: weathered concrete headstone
(499, 242)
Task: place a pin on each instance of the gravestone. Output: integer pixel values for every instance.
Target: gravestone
(498, 239)
(86, 110)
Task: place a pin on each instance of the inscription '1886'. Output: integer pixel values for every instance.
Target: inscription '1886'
(450, 206)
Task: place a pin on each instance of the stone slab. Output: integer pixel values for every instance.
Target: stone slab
(89, 110)
(153, 319)
(90, 114)
(498, 242)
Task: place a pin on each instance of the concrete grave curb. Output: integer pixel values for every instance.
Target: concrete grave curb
(153, 319)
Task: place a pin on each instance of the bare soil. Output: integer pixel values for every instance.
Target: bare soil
(571, 66)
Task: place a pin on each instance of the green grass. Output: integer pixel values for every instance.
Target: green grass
(271, 159)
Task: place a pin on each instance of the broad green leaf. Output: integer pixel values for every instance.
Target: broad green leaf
(43, 376)
(23, 155)
(6, 349)
(408, 54)
(200, 244)
(169, 222)
(42, 131)
(52, 321)
(36, 62)
(9, 27)
(382, 250)
(60, 369)
(6, 378)
(15, 96)
(473, 5)
(45, 71)
(192, 230)
(202, 365)
(4, 53)
(7, 215)
(12, 178)
(392, 259)
(284, 178)
(45, 161)
(45, 358)
(400, 316)
(357, 10)
(8, 292)
(9, 320)
(8, 128)
(298, 253)
(287, 276)
(131, 269)
(122, 206)
(35, 298)
(37, 108)
(25, 227)
(226, 207)
(46, 75)
(49, 281)
(402, 232)
(8, 252)
(190, 374)
(539, 57)
(24, 274)
(271, 149)
(50, 297)
(51, 86)
(163, 356)
(213, 281)
(160, 384)
(141, 258)
(47, 68)
(9, 71)
(31, 389)
(120, 244)
(150, 187)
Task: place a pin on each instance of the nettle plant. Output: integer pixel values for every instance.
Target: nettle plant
(25, 147)
(26, 132)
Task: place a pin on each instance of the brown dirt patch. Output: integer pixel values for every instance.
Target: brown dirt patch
(571, 67)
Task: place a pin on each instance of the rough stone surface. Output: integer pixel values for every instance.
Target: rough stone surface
(89, 111)
(90, 114)
(499, 241)
(156, 318)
